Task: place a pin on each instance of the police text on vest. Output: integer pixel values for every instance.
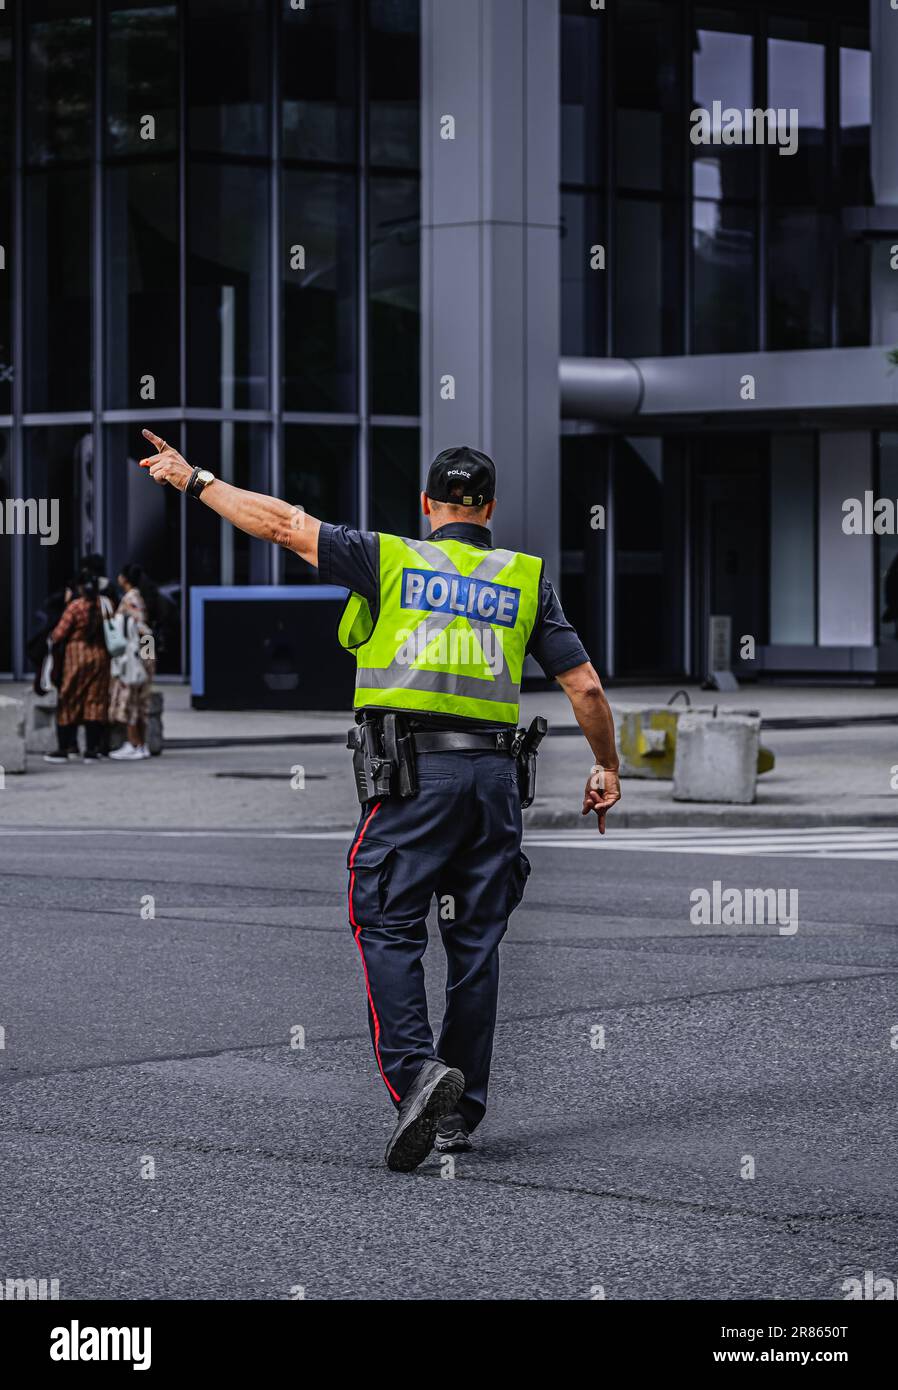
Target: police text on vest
(434, 591)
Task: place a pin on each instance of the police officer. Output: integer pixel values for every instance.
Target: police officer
(440, 629)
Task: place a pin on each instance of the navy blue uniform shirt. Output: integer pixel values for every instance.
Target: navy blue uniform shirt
(350, 558)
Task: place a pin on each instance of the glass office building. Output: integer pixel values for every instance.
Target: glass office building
(715, 253)
(210, 221)
(209, 215)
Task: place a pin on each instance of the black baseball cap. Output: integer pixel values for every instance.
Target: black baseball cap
(463, 476)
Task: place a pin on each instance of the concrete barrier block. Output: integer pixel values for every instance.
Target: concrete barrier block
(646, 739)
(717, 758)
(40, 722)
(12, 735)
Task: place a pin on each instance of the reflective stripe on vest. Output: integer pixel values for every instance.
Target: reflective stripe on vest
(452, 628)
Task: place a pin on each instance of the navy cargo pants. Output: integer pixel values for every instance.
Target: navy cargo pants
(459, 838)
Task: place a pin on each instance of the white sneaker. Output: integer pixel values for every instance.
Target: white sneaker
(144, 751)
(126, 754)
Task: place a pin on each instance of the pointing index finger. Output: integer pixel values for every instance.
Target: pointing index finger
(153, 438)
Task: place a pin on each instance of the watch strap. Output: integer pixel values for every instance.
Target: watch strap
(194, 485)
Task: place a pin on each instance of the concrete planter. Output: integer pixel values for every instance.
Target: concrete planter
(40, 722)
(12, 735)
(717, 758)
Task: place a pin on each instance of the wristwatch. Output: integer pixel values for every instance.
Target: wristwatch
(199, 478)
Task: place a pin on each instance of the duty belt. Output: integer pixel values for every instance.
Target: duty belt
(385, 748)
(459, 741)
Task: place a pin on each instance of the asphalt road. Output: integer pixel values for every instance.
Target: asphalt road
(132, 1038)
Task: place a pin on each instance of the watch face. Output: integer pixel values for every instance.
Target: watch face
(204, 476)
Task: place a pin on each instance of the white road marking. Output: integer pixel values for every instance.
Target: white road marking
(814, 842)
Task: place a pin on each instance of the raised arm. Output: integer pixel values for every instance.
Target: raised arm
(266, 518)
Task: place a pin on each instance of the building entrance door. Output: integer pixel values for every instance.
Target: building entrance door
(731, 555)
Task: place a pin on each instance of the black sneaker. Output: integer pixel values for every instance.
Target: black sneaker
(433, 1094)
(452, 1135)
(56, 757)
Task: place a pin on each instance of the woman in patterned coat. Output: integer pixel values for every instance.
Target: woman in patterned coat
(84, 691)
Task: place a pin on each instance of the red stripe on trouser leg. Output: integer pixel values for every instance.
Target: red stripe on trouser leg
(358, 933)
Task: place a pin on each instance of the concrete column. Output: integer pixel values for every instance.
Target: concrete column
(490, 268)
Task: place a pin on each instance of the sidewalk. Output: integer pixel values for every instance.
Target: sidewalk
(823, 776)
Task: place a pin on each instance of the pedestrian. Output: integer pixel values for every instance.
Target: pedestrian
(440, 629)
(39, 646)
(95, 564)
(84, 688)
(133, 671)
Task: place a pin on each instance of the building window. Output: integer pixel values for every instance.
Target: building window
(143, 298)
(583, 132)
(855, 98)
(647, 96)
(648, 499)
(396, 481)
(862, 266)
(319, 475)
(228, 117)
(217, 553)
(394, 249)
(143, 527)
(648, 278)
(584, 533)
(584, 274)
(59, 81)
(58, 343)
(59, 466)
(793, 539)
(724, 277)
(142, 69)
(393, 82)
(7, 485)
(6, 347)
(887, 546)
(722, 73)
(796, 82)
(200, 300)
(7, 143)
(228, 245)
(799, 279)
(320, 290)
(319, 82)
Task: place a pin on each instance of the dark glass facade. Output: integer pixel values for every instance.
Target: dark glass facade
(676, 248)
(712, 247)
(209, 219)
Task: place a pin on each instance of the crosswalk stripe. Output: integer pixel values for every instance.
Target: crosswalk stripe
(823, 842)
(804, 842)
(801, 841)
